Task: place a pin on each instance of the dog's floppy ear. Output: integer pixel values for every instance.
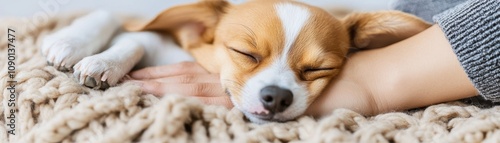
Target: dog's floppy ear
(191, 24)
(379, 29)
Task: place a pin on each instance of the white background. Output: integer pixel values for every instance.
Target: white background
(147, 8)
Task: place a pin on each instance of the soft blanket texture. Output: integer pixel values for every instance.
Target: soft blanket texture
(53, 107)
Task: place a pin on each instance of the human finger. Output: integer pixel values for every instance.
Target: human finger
(167, 70)
(191, 89)
(190, 78)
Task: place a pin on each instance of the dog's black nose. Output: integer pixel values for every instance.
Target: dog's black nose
(276, 99)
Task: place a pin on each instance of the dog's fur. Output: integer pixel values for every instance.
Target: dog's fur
(256, 44)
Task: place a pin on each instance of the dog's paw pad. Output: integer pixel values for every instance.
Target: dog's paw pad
(90, 82)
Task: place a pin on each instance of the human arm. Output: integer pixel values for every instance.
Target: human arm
(469, 32)
(416, 72)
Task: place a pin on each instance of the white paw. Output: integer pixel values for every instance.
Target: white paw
(63, 52)
(84, 37)
(99, 71)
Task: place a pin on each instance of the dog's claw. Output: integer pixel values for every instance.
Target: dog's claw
(63, 69)
(90, 82)
(104, 85)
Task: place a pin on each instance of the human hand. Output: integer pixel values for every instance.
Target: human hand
(187, 78)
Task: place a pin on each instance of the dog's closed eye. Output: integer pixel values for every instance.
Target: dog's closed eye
(317, 69)
(250, 56)
(310, 74)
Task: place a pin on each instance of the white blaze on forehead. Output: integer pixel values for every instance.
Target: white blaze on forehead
(293, 18)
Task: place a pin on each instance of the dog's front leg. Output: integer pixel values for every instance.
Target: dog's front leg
(105, 69)
(86, 36)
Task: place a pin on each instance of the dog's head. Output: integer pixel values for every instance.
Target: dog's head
(276, 56)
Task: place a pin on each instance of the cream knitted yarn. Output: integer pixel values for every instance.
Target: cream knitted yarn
(52, 107)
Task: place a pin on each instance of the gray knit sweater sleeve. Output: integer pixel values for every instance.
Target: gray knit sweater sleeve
(425, 9)
(473, 30)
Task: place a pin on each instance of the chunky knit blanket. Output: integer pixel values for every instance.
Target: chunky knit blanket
(50, 106)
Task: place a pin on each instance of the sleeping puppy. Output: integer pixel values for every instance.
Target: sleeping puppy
(274, 56)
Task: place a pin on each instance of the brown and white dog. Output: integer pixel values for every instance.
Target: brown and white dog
(274, 56)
